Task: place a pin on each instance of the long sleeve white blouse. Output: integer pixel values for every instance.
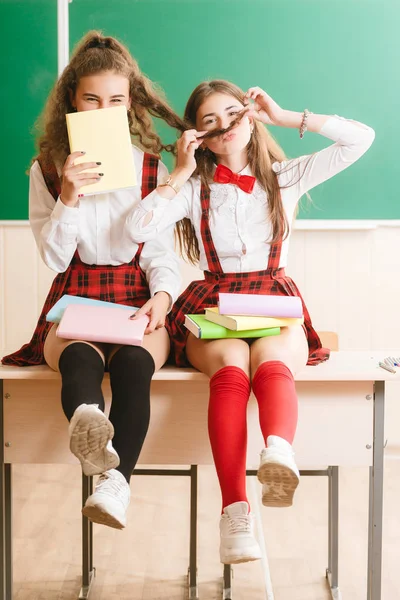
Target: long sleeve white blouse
(239, 222)
(97, 228)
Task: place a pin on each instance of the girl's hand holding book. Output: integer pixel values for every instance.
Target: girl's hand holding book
(156, 309)
(73, 178)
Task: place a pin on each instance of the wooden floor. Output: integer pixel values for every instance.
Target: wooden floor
(149, 559)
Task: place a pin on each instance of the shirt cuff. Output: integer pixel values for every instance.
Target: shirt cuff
(65, 214)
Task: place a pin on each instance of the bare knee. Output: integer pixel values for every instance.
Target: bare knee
(291, 348)
(213, 355)
(234, 357)
(157, 344)
(55, 346)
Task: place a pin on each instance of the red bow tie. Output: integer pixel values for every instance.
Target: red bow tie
(224, 175)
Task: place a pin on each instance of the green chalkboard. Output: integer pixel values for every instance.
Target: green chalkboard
(331, 56)
(28, 63)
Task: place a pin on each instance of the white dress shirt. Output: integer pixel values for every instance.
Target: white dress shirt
(239, 222)
(97, 228)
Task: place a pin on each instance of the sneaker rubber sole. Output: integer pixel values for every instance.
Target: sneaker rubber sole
(248, 555)
(279, 484)
(88, 441)
(97, 514)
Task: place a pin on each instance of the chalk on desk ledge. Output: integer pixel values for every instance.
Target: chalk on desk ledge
(392, 361)
(389, 360)
(386, 367)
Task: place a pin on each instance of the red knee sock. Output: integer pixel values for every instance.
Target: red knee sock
(273, 386)
(227, 427)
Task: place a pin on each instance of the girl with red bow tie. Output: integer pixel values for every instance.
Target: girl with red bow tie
(234, 196)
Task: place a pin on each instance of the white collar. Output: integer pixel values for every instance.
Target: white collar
(245, 171)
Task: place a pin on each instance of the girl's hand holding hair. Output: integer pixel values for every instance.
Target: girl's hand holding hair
(185, 163)
(263, 108)
(186, 147)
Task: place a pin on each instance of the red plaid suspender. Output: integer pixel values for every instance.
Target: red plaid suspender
(149, 183)
(149, 174)
(274, 256)
(214, 266)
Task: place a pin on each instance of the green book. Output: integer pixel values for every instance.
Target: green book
(206, 330)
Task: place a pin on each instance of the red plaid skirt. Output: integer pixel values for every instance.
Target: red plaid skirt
(202, 294)
(123, 284)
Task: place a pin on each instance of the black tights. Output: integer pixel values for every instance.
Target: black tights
(131, 369)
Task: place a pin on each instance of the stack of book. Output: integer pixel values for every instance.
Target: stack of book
(246, 316)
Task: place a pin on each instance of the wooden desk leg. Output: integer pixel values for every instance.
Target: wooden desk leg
(8, 530)
(2, 502)
(6, 559)
(332, 572)
(192, 573)
(376, 496)
(88, 572)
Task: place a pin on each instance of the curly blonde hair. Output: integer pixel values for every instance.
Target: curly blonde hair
(94, 54)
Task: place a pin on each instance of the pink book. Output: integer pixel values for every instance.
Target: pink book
(102, 324)
(259, 305)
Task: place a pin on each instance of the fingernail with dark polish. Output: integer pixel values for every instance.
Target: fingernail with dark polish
(101, 174)
(98, 163)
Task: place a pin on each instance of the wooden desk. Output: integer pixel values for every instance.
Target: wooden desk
(341, 423)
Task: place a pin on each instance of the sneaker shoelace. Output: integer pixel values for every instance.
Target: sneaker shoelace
(110, 485)
(239, 524)
(278, 450)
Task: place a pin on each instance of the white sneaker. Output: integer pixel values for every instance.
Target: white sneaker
(278, 473)
(238, 543)
(90, 434)
(110, 500)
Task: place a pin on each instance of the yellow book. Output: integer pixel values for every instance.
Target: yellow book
(104, 135)
(245, 323)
